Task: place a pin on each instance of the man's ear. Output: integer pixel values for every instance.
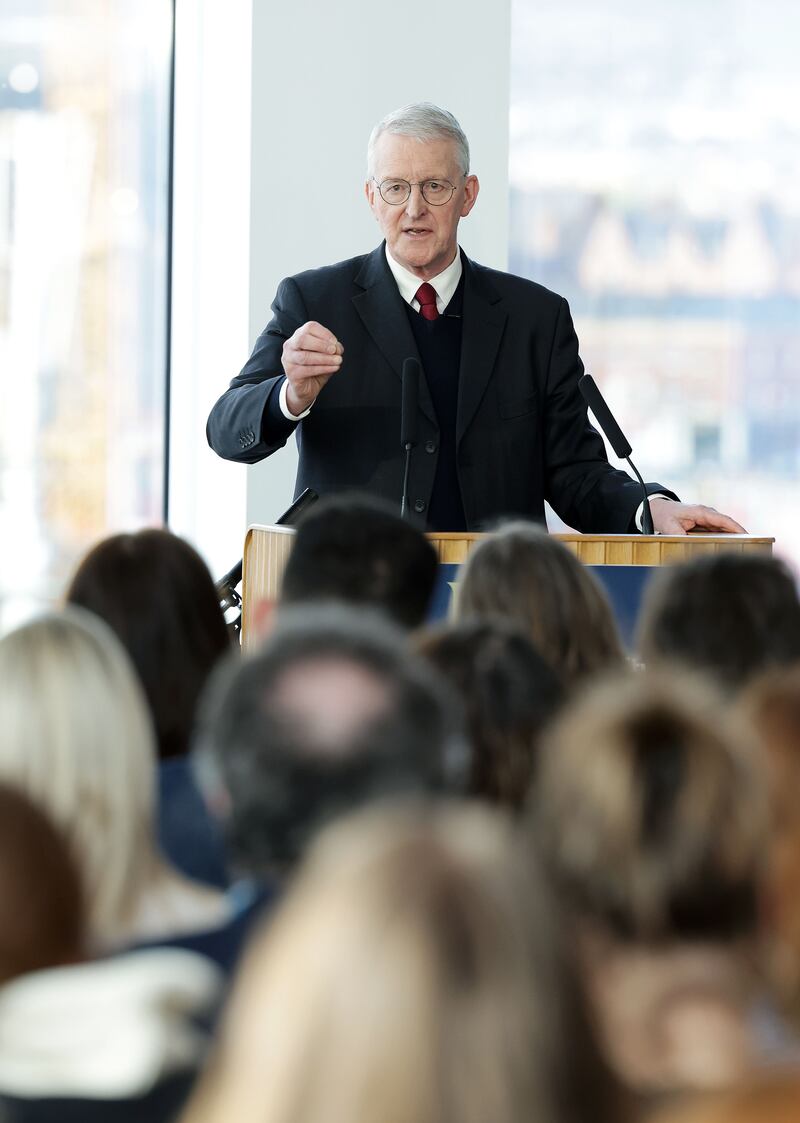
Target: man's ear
(369, 191)
(471, 189)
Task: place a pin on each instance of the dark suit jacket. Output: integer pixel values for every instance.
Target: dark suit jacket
(522, 429)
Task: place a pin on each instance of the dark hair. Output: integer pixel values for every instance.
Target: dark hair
(292, 749)
(509, 694)
(155, 591)
(356, 548)
(42, 907)
(730, 614)
(650, 812)
(523, 574)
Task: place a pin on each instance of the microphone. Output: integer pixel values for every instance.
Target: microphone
(408, 420)
(621, 446)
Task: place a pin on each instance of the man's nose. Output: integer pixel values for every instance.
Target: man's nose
(416, 205)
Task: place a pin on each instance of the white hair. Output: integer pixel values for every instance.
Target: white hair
(421, 120)
(75, 734)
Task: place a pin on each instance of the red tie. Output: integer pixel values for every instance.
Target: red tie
(426, 295)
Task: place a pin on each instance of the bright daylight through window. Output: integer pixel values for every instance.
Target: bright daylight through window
(655, 156)
(84, 158)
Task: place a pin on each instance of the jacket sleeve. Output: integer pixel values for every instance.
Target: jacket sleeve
(246, 423)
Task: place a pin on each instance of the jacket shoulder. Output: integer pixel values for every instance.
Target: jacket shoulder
(512, 287)
(325, 275)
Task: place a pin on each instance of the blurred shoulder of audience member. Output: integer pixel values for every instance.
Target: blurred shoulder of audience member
(525, 575)
(331, 713)
(414, 973)
(650, 814)
(156, 593)
(731, 615)
(773, 1099)
(41, 897)
(509, 694)
(356, 548)
(772, 704)
(85, 1041)
(76, 735)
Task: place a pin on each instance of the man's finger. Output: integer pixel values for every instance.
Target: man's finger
(315, 337)
(302, 358)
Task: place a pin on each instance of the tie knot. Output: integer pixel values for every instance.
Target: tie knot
(426, 295)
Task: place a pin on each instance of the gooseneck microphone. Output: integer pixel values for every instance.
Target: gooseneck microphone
(408, 420)
(607, 422)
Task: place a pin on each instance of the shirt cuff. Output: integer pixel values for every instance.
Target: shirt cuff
(287, 413)
(640, 511)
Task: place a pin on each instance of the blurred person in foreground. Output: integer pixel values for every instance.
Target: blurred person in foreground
(730, 615)
(509, 695)
(770, 1100)
(414, 974)
(355, 549)
(331, 713)
(772, 704)
(523, 574)
(76, 735)
(91, 1042)
(650, 814)
(156, 593)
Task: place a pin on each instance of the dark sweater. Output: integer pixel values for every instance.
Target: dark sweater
(439, 344)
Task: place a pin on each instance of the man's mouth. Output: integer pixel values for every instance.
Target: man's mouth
(416, 231)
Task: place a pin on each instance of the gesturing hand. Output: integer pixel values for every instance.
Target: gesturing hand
(309, 358)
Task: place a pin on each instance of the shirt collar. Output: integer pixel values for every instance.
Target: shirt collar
(445, 283)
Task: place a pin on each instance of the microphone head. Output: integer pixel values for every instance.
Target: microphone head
(605, 418)
(410, 402)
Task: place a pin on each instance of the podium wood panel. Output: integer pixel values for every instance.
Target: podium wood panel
(266, 549)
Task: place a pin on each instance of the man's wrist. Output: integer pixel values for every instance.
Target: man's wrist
(640, 511)
(284, 404)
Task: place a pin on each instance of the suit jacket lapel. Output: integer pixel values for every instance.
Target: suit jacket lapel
(380, 307)
(484, 323)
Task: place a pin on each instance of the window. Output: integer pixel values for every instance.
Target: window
(654, 156)
(84, 162)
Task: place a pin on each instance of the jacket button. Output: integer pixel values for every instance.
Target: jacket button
(419, 506)
(430, 446)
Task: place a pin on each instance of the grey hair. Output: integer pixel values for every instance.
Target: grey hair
(421, 120)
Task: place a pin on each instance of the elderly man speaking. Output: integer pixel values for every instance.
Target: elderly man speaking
(501, 424)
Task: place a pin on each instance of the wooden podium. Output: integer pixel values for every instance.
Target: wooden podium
(266, 549)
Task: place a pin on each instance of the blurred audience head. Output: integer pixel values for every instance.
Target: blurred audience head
(772, 704)
(731, 615)
(414, 974)
(156, 593)
(509, 695)
(649, 813)
(525, 575)
(76, 736)
(330, 713)
(42, 912)
(355, 548)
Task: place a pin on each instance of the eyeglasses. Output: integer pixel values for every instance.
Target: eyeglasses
(437, 192)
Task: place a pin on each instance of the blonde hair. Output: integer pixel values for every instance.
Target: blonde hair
(76, 736)
(650, 811)
(405, 980)
(523, 574)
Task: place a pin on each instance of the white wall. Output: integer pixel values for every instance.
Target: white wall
(322, 75)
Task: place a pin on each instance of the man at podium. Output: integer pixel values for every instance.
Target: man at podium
(501, 425)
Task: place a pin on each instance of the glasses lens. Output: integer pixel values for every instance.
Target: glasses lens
(394, 190)
(437, 191)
